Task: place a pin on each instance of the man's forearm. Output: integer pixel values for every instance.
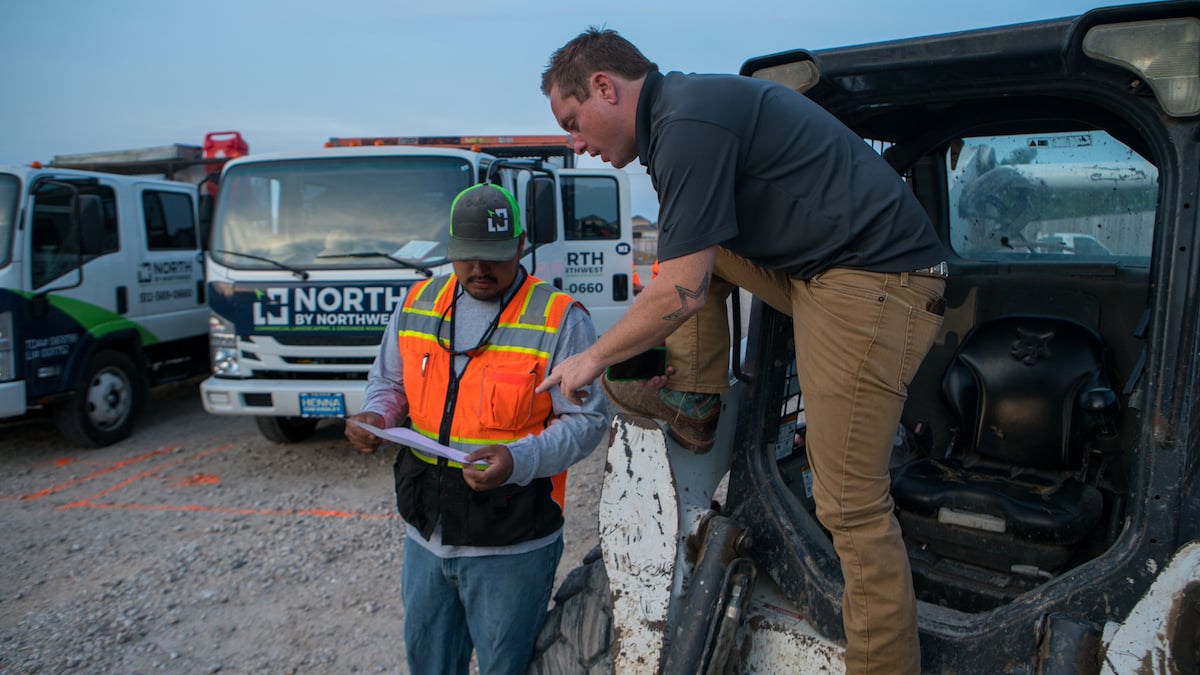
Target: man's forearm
(656, 313)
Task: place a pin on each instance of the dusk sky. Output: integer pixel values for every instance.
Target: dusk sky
(85, 76)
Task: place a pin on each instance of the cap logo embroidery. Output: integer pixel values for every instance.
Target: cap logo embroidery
(498, 220)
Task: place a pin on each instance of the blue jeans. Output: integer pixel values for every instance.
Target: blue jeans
(493, 604)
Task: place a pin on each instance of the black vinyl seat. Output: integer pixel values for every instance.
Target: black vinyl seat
(1030, 395)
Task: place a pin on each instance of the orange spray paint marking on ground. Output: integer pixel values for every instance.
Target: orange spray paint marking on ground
(199, 508)
(149, 472)
(63, 461)
(198, 478)
(83, 479)
(195, 479)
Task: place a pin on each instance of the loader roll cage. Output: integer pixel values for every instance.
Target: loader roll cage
(1050, 83)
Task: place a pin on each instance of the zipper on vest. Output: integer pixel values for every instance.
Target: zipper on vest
(444, 430)
(448, 406)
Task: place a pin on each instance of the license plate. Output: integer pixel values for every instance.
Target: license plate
(322, 405)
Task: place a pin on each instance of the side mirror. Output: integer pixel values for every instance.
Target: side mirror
(205, 217)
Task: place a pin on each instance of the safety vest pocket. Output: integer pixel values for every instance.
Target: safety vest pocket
(425, 386)
(506, 398)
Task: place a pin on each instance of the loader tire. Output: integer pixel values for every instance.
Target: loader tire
(577, 637)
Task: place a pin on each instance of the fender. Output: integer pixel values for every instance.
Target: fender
(72, 331)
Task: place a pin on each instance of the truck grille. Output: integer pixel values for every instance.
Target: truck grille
(330, 360)
(308, 375)
(301, 339)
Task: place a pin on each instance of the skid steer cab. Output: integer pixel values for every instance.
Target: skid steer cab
(1044, 474)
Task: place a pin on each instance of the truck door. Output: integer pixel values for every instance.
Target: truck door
(74, 263)
(596, 264)
(168, 298)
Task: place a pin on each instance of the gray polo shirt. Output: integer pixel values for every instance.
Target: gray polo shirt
(764, 171)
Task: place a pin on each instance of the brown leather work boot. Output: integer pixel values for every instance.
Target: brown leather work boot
(691, 418)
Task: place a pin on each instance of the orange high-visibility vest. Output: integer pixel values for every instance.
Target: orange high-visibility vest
(493, 401)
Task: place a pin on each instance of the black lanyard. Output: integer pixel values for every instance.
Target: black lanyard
(487, 335)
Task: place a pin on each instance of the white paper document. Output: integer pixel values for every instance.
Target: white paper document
(412, 439)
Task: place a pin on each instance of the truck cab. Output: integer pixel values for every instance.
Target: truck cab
(101, 295)
(311, 252)
(1045, 471)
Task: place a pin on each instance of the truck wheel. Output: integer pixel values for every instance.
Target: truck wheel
(106, 404)
(286, 429)
(577, 636)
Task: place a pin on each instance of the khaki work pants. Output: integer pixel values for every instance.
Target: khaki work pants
(860, 337)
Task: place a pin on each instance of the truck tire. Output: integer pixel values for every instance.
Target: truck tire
(577, 637)
(286, 429)
(107, 403)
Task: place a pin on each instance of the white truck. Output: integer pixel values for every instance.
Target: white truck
(310, 253)
(102, 282)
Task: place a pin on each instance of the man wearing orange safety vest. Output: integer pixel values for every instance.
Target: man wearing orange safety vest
(460, 360)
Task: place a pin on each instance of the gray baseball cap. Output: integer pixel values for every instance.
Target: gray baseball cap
(485, 224)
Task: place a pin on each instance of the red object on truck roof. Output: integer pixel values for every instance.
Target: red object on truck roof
(227, 144)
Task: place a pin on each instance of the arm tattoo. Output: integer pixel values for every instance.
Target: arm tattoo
(680, 314)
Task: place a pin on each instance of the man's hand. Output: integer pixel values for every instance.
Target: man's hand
(363, 440)
(659, 381)
(499, 467)
(572, 375)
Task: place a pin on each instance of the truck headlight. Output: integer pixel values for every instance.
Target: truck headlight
(7, 367)
(222, 347)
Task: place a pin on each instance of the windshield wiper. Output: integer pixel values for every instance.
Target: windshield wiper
(375, 254)
(294, 270)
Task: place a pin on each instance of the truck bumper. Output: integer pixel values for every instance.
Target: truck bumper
(12, 399)
(281, 398)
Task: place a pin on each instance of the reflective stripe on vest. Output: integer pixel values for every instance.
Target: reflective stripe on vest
(558, 493)
(495, 403)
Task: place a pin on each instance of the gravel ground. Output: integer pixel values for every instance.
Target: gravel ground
(197, 546)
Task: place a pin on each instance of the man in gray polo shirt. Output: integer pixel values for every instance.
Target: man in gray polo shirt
(760, 187)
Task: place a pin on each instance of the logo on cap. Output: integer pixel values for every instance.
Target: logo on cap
(497, 214)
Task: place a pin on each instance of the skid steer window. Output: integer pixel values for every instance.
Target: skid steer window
(1043, 197)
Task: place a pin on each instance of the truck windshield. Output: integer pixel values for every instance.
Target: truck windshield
(337, 213)
(9, 188)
